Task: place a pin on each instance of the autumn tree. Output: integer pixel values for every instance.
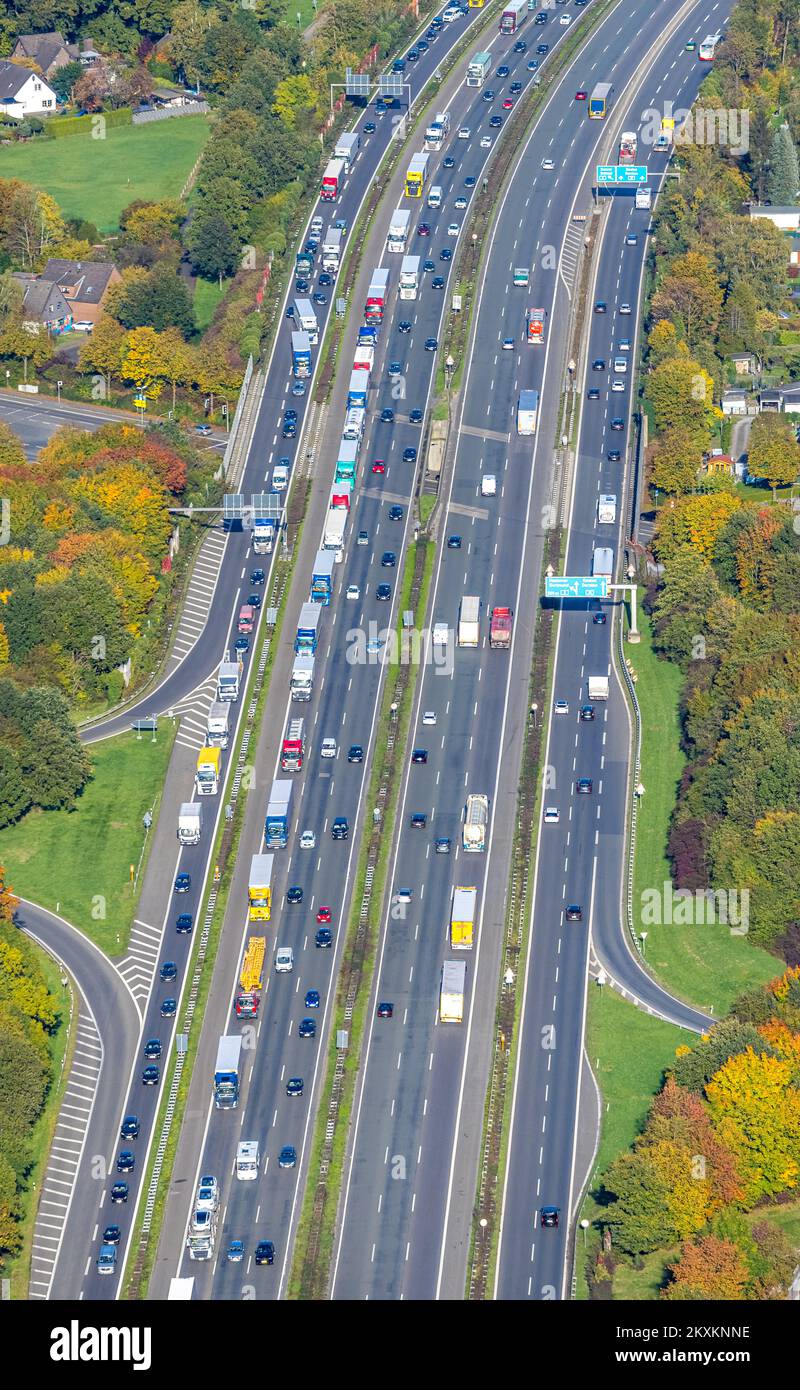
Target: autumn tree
(676, 459)
(783, 183)
(681, 393)
(756, 1112)
(690, 296)
(773, 452)
(104, 350)
(708, 1269)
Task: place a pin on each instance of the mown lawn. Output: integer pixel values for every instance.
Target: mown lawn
(704, 965)
(78, 862)
(96, 179)
(207, 295)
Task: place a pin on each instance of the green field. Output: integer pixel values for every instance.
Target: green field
(207, 295)
(704, 965)
(96, 179)
(78, 862)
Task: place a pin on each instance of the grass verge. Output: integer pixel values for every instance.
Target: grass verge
(705, 965)
(207, 295)
(45, 853)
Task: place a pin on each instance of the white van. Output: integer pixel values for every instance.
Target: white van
(284, 960)
(435, 197)
(488, 485)
(441, 634)
(620, 364)
(280, 477)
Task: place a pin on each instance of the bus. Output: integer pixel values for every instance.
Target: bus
(599, 100)
(478, 69)
(708, 47)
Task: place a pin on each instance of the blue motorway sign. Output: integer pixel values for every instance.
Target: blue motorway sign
(622, 173)
(576, 586)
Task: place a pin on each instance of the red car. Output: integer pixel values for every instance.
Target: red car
(379, 466)
(324, 914)
(507, 104)
(581, 94)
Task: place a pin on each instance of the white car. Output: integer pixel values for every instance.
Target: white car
(284, 960)
(565, 20)
(464, 132)
(353, 591)
(441, 634)
(429, 717)
(486, 142)
(624, 345)
(488, 485)
(561, 707)
(328, 749)
(308, 839)
(316, 225)
(551, 815)
(460, 203)
(625, 308)
(404, 895)
(508, 344)
(207, 1194)
(453, 229)
(548, 164)
(617, 385)
(450, 14)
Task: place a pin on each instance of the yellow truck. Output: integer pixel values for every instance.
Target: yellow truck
(209, 761)
(251, 979)
(462, 919)
(259, 888)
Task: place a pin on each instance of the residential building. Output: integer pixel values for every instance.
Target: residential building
(43, 305)
(786, 218)
(785, 399)
(48, 51)
(24, 93)
(84, 285)
(734, 403)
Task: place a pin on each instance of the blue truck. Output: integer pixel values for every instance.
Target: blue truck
(276, 826)
(301, 354)
(227, 1071)
(357, 391)
(306, 639)
(322, 577)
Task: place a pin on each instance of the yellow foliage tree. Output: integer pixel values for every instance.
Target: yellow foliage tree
(756, 1112)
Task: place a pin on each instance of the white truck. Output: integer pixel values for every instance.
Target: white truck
(598, 687)
(398, 230)
(190, 822)
(347, 147)
(202, 1231)
(644, 198)
(302, 682)
(603, 561)
(476, 820)
(228, 680)
(218, 725)
(332, 249)
(469, 621)
(247, 1160)
(335, 525)
(607, 508)
(451, 994)
(409, 277)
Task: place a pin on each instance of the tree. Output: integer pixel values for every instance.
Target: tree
(783, 183)
(691, 294)
(639, 1215)
(693, 1069)
(63, 79)
(30, 224)
(160, 300)
(708, 1269)
(756, 1113)
(213, 246)
(145, 359)
(12, 454)
(681, 393)
(676, 460)
(662, 341)
(104, 350)
(14, 795)
(187, 32)
(773, 450)
(55, 766)
(153, 223)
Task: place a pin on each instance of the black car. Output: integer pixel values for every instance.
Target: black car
(593, 393)
(520, 46)
(453, 542)
(241, 645)
(119, 1193)
(355, 753)
(422, 45)
(533, 64)
(289, 429)
(541, 18)
(428, 266)
(418, 820)
(294, 894)
(150, 1076)
(395, 368)
(489, 94)
(444, 255)
(112, 1235)
(470, 181)
(587, 711)
(583, 786)
(325, 278)
(126, 1161)
(383, 593)
(257, 576)
(424, 229)
(574, 913)
(294, 1086)
(384, 1010)
(613, 456)
(404, 326)
(410, 454)
(599, 619)
(168, 1008)
(415, 416)
(396, 513)
(254, 600)
(448, 162)
(419, 755)
(387, 416)
(265, 1253)
(515, 86)
(183, 923)
(496, 121)
(548, 1216)
(302, 286)
(168, 971)
(601, 307)
(183, 883)
(618, 423)
(319, 298)
(340, 828)
(503, 70)
(599, 364)
(542, 48)
(287, 1158)
(152, 1049)
(437, 283)
(370, 128)
(129, 1128)
(307, 1028)
(388, 559)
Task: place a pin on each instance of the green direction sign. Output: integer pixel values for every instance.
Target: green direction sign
(576, 586)
(621, 173)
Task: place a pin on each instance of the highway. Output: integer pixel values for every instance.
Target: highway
(232, 586)
(345, 708)
(580, 859)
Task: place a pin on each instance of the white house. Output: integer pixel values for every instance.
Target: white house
(786, 218)
(734, 403)
(24, 93)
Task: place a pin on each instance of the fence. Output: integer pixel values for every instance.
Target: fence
(191, 108)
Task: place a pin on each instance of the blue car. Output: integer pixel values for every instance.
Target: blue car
(312, 999)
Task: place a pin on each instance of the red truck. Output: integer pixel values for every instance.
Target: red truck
(332, 180)
(377, 295)
(294, 746)
(500, 624)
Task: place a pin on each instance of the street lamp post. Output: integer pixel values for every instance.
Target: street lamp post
(59, 384)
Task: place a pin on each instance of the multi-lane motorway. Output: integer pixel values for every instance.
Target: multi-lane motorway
(409, 1183)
